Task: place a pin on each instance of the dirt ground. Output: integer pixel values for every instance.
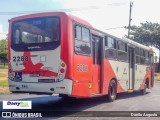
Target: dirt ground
(4, 90)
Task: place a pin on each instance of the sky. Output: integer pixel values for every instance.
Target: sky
(102, 14)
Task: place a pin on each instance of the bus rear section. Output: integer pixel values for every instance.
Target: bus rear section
(36, 64)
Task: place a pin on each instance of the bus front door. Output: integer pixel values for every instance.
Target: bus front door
(131, 57)
(96, 77)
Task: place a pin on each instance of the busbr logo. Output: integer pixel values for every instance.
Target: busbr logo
(17, 105)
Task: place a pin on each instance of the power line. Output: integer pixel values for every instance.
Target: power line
(115, 28)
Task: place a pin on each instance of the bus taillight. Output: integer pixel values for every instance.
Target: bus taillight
(63, 64)
(62, 70)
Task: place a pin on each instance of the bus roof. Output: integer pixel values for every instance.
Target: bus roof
(81, 21)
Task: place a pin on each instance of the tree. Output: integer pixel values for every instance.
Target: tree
(3, 50)
(147, 33)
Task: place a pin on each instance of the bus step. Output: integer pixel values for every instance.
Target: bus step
(130, 91)
(96, 94)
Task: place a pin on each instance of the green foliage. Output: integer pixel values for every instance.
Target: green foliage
(3, 56)
(3, 50)
(147, 33)
(3, 45)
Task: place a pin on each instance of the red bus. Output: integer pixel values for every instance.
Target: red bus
(59, 53)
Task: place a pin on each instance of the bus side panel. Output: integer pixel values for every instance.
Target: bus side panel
(140, 74)
(147, 75)
(122, 73)
(67, 45)
(109, 74)
(82, 76)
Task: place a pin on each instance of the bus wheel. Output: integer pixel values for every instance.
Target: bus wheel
(144, 91)
(112, 91)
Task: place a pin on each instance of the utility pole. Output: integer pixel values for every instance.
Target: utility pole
(130, 12)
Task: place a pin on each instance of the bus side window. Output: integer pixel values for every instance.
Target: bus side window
(111, 42)
(147, 58)
(142, 57)
(110, 48)
(78, 32)
(122, 51)
(151, 58)
(82, 40)
(106, 42)
(137, 52)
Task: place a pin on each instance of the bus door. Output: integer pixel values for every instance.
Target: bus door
(152, 69)
(97, 61)
(131, 57)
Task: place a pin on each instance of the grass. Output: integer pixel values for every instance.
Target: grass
(3, 75)
(157, 76)
(3, 67)
(4, 83)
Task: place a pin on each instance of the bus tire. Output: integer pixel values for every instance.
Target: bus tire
(112, 91)
(144, 91)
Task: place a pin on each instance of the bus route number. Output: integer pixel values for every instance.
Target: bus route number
(82, 68)
(20, 58)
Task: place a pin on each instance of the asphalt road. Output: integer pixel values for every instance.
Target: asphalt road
(124, 102)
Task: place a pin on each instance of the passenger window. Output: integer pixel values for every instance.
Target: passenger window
(111, 42)
(78, 32)
(122, 46)
(82, 40)
(110, 45)
(142, 60)
(122, 51)
(85, 34)
(106, 42)
(137, 59)
(142, 52)
(137, 51)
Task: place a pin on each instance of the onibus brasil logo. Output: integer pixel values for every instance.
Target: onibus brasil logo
(17, 105)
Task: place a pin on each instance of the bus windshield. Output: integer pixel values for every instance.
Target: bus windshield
(36, 31)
